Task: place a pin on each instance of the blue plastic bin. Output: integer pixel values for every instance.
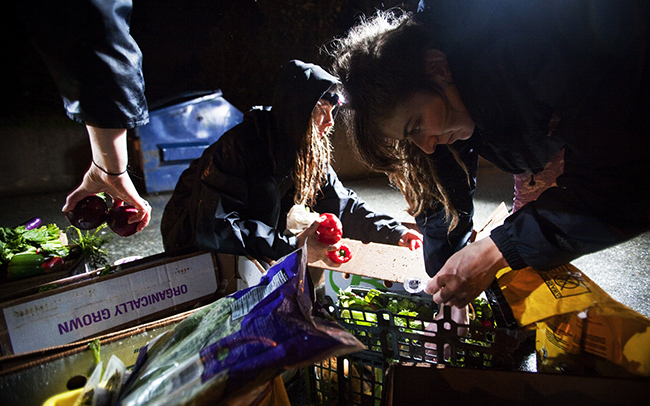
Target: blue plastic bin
(178, 132)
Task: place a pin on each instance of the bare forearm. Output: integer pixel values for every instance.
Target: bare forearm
(109, 148)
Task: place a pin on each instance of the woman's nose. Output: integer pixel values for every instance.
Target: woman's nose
(425, 142)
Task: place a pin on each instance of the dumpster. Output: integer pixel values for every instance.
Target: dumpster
(179, 130)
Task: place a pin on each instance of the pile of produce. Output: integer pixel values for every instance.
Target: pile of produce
(407, 320)
(92, 212)
(31, 249)
(353, 306)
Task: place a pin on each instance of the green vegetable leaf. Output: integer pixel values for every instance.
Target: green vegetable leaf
(91, 244)
(45, 240)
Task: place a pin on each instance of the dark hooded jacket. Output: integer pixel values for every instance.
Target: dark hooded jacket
(538, 76)
(235, 198)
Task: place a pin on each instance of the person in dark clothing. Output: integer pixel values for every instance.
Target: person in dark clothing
(235, 198)
(553, 92)
(97, 68)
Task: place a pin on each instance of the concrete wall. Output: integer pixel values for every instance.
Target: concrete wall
(42, 159)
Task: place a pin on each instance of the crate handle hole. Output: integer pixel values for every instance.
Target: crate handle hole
(76, 382)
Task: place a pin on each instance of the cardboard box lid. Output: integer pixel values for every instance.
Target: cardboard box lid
(393, 263)
(110, 303)
(380, 261)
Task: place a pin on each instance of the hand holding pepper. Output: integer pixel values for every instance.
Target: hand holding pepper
(322, 238)
(411, 239)
(330, 229)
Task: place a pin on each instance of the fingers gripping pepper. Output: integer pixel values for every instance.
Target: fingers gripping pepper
(340, 255)
(330, 229)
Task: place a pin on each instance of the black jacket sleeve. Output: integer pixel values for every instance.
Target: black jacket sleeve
(94, 60)
(593, 207)
(359, 221)
(439, 242)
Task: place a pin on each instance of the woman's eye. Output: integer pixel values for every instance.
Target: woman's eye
(415, 130)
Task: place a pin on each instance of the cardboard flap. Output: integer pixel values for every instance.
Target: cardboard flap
(380, 261)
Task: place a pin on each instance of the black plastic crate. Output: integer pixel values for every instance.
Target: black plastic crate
(357, 379)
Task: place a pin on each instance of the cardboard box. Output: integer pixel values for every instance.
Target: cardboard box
(32, 378)
(89, 305)
(389, 263)
(22, 287)
(415, 384)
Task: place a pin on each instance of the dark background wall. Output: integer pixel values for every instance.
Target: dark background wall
(237, 46)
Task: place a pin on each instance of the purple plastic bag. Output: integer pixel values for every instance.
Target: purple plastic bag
(274, 326)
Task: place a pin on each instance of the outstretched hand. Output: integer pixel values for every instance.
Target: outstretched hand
(109, 151)
(316, 250)
(411, 239)
(466, 274)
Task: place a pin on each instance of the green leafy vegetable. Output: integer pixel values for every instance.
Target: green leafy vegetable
(45, 288)
(482, 313)
(44, 240)
(91, 244)
(375, 300)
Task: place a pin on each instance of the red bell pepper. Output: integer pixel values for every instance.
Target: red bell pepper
(330, 229)
(52, 263)
(340, 255)
(415, 244)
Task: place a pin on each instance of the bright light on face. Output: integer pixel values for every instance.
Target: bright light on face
(427, 121)
(323, 117)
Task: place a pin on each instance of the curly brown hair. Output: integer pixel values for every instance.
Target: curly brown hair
(312, 162)
(380, 64)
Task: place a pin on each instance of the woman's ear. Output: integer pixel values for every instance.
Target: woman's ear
(437, 68)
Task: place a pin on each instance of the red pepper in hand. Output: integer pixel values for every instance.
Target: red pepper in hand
(415, 244)
(330, 229)
(340, 255)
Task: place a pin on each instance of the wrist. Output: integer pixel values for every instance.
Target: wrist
(498, 259)
(108, 172)
(109, 149)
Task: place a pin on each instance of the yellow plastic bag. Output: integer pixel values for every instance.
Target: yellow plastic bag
(580, 328)
(64, 399)
(595, 342)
